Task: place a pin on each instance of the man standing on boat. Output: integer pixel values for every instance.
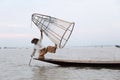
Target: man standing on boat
(39, 47)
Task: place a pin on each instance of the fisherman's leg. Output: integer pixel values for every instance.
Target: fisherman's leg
(42, 53)
(51, 49)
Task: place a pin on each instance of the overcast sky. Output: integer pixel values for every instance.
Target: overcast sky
(97, 22)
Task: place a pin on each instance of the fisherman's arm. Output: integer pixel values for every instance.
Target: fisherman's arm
(33, 53)
(41, 31)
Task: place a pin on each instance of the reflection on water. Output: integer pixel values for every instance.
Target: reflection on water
(54, 73)
(73, 73)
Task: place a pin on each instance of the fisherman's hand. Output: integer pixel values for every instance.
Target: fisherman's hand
(40, 30)
(32, 55)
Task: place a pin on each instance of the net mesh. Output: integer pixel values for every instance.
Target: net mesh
(56, 29)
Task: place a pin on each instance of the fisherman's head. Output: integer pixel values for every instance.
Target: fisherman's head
(34, 41)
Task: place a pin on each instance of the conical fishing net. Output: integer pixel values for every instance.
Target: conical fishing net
(57, 30)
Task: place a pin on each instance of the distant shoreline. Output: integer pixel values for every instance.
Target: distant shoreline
(15, 47)
(118, 46)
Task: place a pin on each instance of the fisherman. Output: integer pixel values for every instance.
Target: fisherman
(42, 50)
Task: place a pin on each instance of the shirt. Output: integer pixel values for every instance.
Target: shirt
(38, 46)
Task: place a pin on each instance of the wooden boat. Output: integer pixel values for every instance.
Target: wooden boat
(78, 63)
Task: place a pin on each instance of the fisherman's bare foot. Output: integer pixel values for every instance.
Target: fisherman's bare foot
(41, 58)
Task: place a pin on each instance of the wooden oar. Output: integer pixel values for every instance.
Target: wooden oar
(32, 56)
(30, 60)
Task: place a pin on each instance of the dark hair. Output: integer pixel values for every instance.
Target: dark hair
(34, 41)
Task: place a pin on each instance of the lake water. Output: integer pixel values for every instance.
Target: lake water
(14, 64)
